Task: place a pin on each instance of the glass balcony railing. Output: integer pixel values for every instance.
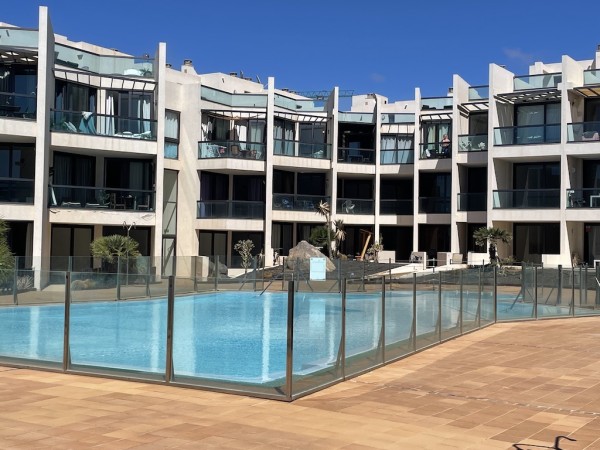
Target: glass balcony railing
(591, 77)
(472, 201)
(356, 117)
(399, 207)
(526, 198)
(356, 155)
(355, 206)
(434, 205)
(16, 190)
(479, 93)
(230, 209)
(472, 143)
(231, 149)
(234, 100)
(299, 149)
(100, 198)
(304, 105)
(389, 118)
(583, 198)
(83, 122)
(583, 132)
(527, 135)
(291, 202)
(18, 37)
(18, 105)
(543, 81)
(428, 103)
(436, 150)
(103, 64)
(404, 156)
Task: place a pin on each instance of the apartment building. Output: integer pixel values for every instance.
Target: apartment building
(93, 141)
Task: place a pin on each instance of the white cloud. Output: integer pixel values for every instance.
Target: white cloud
(377, 78)
(519, 55)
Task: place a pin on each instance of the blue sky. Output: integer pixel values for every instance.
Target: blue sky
(388, 47)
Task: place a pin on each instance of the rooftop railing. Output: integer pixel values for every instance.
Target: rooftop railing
(16, 190)
(64, 196)
(404, 156)
(356, 155)
(297, 202)
(479, 93)
(591, 77)
(527, 135)
(103, 64)
(356, 117)
(230, 209)
(231, 149)
(299, 105)
(355, 206)
(233, 100)
(390, 118)
(434, 205)
(472, 201)
(428, 103)
(472, 143)
(300, 149)
(22, 106)
(85, 122)
(583, 132)
(526, 198)
(542, 81)
(399, 207)
(18, 37)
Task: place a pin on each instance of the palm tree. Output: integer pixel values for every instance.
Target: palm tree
(7, 260)
(114, 247)
(339, 234)
(324, 210)
(493, 235)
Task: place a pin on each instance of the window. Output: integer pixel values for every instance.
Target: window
(171, 134)
(397, 148)
(433, 132)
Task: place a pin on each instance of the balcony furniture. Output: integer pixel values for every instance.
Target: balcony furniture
(576, 201)
(235, 151)
(117, 204)
(354, 155)
(590, 136)
(71, 204)
(594, 201)
(286, 203)
(145, 206)
(348, 207)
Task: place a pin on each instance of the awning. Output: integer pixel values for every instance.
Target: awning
(538, 95)
(235, 115)
(105, 82)
(296, 117)
(589, 91)
(435, 117)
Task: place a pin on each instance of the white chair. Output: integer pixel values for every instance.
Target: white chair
(348, 207)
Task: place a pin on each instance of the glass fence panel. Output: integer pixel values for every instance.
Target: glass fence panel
(16, 104)
(84, 122)
(17, 37)
(231, 341)
(32, 313)
(586, 282)
(427, 312)
(487, 296)
(398, 118)
(356, 117)
(479, 93)
(473, 143)
(541, 81)
(591, 76)
(471, 298)
(472, 201)
(583, 132)
(450, 304)
(232, 149)
(436, 103)
(398, 321)
(549, 301)
(396, 207)
(515, 294)
(16, 190)
(527, 135)
(363, 331)
(103, 64)
(355, 206)
(356, 155)
(317, 337)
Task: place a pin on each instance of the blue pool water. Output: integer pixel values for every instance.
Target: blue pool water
(237, 336)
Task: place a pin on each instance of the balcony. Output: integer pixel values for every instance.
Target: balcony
(233, 100)
(355, 206)
(22, 106)
(434, 205)
(391, 118)
(472, 143)
(477, 93)
(230, 209)
(84, 122)
(472, 201)
(583, 198)
(435, 103)
(356, 155)
(291, 202)
(299, 105)
(103, 64)
(531, 82)
(231, 149)
(299, 149)
(356, 117)
(591, 77)
(527, 135)
(583, 132)
(436, 150)
(16, 190)
(398, 207)
(527, 198)
(405, 156)
(100, 198)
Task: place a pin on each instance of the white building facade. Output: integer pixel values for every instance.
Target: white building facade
(93, 141)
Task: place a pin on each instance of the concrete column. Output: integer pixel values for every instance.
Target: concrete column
(269, 171)
(156, 251)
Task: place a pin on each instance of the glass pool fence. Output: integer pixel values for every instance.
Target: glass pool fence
(273, 333)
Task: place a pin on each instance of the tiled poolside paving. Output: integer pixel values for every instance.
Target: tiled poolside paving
(512, 383)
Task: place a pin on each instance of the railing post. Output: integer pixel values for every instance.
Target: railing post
(339, 271)
(343, 333)
(216, 273)
(118, 278)
(390, 273)
(439, 321)
(149, 271)
(461, 307)
(479, 300)
(560, 285)
(572, 305)
(597, 302)
(535, 292)
(66, 363)
(254, 271)
(382, 339)
(195, 273)
(495, 294)
(170, 316)
(580, 288)
(364, 274)
(283, 274)
(15, 281)
(414, 317)
(289, 372)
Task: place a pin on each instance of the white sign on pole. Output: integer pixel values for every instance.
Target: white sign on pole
(317, 269)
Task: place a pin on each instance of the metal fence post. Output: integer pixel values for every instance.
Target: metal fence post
(195, 273)
(382, 339)
(597, 302)
(170, 316)
(390, 272)
(572, 305)
(66, 363)
(414, 317)
(495, 294)
(560, 285)
(364, 275)
(535, 292)
(289, 372)
(461, 307)
(118, 278)
(580, 288)
(343, 337)
(339, 274)
(149, 270)
(283, 274)
(254, 272)
(15, 281)
(439, 321)
(479, 300)
(216, 273)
